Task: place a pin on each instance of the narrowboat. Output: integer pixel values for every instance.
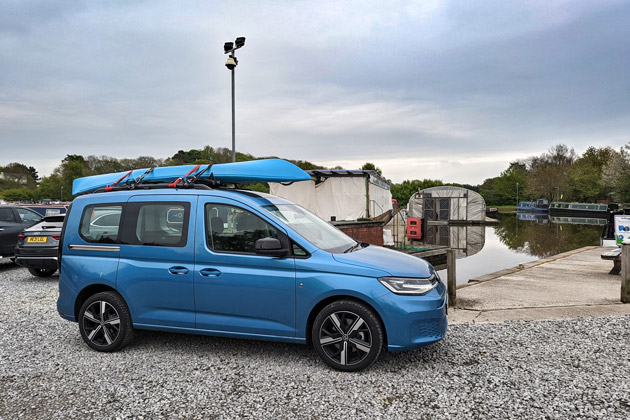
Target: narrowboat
(581, 209)
(539, 206)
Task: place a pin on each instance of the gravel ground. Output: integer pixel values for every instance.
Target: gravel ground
(554, 369)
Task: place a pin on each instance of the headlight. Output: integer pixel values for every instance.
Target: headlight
(408, 285)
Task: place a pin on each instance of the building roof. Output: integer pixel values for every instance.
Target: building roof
(328, 173)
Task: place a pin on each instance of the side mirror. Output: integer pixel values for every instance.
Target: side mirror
(270, 247)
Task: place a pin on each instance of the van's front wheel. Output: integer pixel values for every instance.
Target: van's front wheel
(347, 335)
(105, 322)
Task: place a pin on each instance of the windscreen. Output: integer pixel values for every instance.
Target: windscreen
(312, 228)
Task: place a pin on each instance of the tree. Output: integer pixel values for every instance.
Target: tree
(17, 175)
(586, 183)
(50, 187)
(71, 168)
(18, 194)
(33, 173)
(549, 173)
(616, 174)
(502, 190)
(368, 166)
(402, 192)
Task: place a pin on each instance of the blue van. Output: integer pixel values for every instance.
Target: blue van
(237, 263)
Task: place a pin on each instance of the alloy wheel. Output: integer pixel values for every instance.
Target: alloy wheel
(101, 323)
(345, 338)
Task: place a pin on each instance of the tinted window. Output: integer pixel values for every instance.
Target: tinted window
(158, 224)
(232, 229)
(27, 216)
(6, 215)
(107, 220)
(101, 223)
(298, 251)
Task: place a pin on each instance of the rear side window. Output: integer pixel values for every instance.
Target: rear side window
(28, 216)
(157, 224)
(6, 215)
(101, 223)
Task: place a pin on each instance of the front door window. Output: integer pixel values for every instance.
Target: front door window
(233, 229)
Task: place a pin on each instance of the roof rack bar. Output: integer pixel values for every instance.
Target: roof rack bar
(154, 186)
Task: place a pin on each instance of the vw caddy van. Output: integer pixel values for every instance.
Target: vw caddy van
(237, 263)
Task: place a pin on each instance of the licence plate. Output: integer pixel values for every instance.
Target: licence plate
(38, 239)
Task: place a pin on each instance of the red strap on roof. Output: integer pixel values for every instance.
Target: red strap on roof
(111, 187)
(182, 178)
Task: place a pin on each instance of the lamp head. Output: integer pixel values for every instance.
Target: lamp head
(231, 63)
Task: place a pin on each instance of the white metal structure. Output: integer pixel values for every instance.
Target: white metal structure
(339, 194)
(445, 204)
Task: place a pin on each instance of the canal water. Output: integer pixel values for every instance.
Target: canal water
(519, 238)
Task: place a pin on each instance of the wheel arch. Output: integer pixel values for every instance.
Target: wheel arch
(322, 303)
(88, 291)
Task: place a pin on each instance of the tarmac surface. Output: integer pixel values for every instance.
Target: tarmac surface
(569, 285)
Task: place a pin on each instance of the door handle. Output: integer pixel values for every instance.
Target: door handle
(210, 272)
(178, 270)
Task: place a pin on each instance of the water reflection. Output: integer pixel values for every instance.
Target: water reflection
(545, 236)
(516, 239)
(466, 240)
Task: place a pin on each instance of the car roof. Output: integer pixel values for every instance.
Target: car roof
(12, 206)
(253, 198)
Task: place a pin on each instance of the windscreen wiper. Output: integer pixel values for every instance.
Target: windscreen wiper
(352, 248)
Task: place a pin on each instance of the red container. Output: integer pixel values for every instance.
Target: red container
(414, 228)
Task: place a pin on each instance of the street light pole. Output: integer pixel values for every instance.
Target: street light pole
(233, 121)
(516, 194)
(231, 63)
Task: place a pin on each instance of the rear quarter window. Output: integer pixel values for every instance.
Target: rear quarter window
(101, 223)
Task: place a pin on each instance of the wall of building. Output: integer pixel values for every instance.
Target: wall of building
(370, 233)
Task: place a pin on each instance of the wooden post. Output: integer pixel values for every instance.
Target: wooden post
(451, 283)
(625, 273)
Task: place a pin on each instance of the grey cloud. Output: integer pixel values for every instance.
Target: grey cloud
(323, 82)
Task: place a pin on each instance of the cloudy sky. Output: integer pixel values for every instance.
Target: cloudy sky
(430, 89)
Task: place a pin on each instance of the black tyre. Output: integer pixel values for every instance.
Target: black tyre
(348, 335)
(105, 322)
(42, 272)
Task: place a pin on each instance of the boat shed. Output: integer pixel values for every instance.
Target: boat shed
(339, 194)
(447, 204)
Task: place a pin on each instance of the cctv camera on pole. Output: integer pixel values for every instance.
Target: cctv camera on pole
(231, 63)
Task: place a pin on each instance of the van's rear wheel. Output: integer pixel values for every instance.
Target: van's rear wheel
(348, 335)
(105, 322)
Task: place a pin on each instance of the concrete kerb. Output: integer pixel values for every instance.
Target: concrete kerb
(478, 311)
(520, 267)
(493, 316)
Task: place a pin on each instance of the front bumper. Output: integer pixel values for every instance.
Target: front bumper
(415, 321)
